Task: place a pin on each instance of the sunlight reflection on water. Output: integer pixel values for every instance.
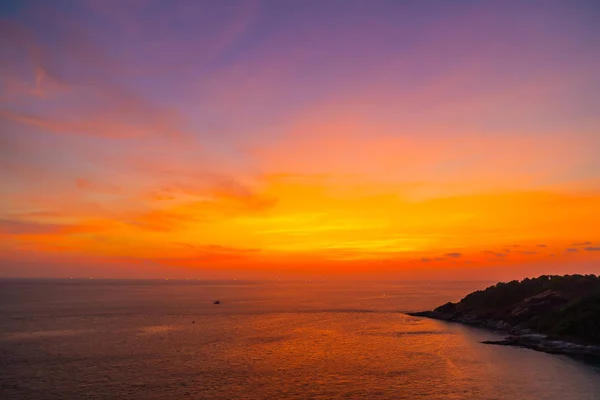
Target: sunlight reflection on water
(280, 340)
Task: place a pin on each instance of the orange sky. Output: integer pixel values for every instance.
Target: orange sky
(265, 141)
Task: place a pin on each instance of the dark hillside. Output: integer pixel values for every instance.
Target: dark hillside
(562, 307)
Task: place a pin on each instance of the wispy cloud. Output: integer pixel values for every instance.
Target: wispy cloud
(495, 253)
(29, 228)
(15, 227)
(453, 255)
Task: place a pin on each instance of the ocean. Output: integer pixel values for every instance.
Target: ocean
(96, 339)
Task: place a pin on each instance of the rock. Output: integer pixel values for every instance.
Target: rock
(542, 343)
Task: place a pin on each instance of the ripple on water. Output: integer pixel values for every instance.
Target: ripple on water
(33, 335)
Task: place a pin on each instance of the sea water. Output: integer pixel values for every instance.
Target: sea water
(297, 340)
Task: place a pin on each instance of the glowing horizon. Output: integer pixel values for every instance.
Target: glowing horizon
(263, 137)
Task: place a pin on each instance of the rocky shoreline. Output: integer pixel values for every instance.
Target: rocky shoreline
(551, 313)
(518, 337)
(545, 344)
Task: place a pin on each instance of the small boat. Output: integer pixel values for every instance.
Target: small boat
(216, 302)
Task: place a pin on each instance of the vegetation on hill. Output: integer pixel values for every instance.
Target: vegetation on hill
(564, 307)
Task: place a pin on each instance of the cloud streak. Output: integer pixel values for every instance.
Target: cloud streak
(15, 227)
(495, 253)
(453, 255)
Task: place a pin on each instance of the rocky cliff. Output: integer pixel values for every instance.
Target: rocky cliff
(549, 313)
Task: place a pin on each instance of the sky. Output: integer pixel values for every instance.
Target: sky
(223, 139)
